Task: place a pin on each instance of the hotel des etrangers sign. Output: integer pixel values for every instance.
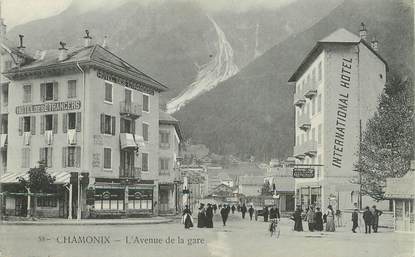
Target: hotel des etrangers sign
(48, 107)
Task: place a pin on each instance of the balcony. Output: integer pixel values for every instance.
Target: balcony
(130, 110)
(304, 122)
(299, 100)
(310, 148)
(310, 93)
(310, 90)
(127, 142)
(130, 172)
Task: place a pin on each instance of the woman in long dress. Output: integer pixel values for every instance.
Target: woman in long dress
(330, 226)
(201, 216)
(318, 217)
(298, 221)
(187, 217)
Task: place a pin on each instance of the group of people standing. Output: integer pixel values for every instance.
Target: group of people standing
(273, 213)
(370, 217)
(315, 219)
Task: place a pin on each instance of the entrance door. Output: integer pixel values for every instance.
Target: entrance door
(164, 200)
(127, 163)
(21, 206)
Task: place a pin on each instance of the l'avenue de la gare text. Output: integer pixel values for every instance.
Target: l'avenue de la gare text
(128, 239)
(341, 112)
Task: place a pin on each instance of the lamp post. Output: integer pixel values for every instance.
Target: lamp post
(78, 213)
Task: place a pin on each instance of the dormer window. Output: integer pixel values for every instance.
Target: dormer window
(49, 91)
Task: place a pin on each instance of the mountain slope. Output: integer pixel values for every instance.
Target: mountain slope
(252, 112)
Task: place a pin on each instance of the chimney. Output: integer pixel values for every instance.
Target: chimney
(105, 43)
(87, 38)
(363, 31)
(63, 52)
(21, 47)
(374, 44)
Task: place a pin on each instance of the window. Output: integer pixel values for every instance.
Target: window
(27, 93)
(4, 123)
(319, 103)
(26, 158)
(313, 106)
(107, 158)
(45, 155)
(48, 122)
(72, 120)
(47, 201)
(144, 161)
(71, 156)
(145, 131)
(49, 91)
(127, 126)
(108, 92)
(164, 139)
(26, 124)
(319, 134)
(3, 153)
(71, 88)
(146, 103)
(164, 166)
(107, 124)
(5, 93)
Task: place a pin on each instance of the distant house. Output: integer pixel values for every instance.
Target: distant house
(250, 185)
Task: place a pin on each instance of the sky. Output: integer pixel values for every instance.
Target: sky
(17, 12)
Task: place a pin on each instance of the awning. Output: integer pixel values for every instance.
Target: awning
(103, 185)
(62, 177)
(127, 141)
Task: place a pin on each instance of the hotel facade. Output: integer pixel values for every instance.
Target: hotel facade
(336, 91)
(94, 121)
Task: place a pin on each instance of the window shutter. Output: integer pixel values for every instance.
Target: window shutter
(112, 125)
(65, 123)
(50, 157)
(78, 157)
(102, 123)
(33, 124)
(42, 124)
(55, 91)
(55, 124)
(64, 157)
(122, 126)
(20, 126)
(78, 121)
(133, 127)
(41, 154)
(42, 92)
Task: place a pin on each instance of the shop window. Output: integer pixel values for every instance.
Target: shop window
(107, 158)
(144, 162)
(145, 131)
(71, 88)
(27, 93)
(146, 103)
(108, 92)
(50, 202)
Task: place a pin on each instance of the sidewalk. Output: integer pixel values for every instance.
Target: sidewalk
(130, 221)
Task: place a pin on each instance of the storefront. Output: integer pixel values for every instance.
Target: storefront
(307, 195)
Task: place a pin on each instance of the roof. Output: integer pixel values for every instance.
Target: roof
(94, 54)
(340, 36)
(61, 177)
(401, 188)
(167, 119)
(251, 180)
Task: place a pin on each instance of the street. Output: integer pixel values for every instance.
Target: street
(239, 238)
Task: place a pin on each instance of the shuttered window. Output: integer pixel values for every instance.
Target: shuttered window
(107, 124)
(27, 93)
(49, 91)
(164, 166)
(108, 92)
(71, 120)
(107, 158)
(146, 103)
(26, 158)
(71, 156)
(145, 131)
(144, 161)
(71, 88)
(45, 156)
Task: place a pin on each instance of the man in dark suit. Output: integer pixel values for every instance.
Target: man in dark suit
(209, 216)
(368, 219)
(376, 213)
(355, 218)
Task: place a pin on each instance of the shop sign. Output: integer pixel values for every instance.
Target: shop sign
(106, 195)
(303, 172)
(49, 107)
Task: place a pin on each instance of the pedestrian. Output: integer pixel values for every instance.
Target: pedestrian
(355, 218)
(233, 208)
(187, 218)
(310, 218)
(251, 212)
(266, 213)
(368, 219)
(330, 225)
(238, 208)
(318, 219)
(224, 214)
(243, 210)
(339, 218)
(215, 207)
(209, 216)
(201, 216)
(277, 213)
(272, 213)
(298, 221)
(376, 213)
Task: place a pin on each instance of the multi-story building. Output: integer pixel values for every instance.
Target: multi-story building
(336, 91)
(84, 111)
(170, 137)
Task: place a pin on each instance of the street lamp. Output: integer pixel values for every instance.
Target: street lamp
(78, 213)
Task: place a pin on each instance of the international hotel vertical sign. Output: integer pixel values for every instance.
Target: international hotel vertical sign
(343, 118)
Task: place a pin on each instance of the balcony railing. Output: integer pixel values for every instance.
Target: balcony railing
(130, 172)
(130, 109)
(299, 100)
(308, 148)
(304, 122)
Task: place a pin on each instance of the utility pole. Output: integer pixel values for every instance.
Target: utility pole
(78, 213)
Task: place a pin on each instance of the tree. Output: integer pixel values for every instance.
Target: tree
(387, 143)
(39, 180)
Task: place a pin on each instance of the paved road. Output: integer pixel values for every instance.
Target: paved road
(239, 238)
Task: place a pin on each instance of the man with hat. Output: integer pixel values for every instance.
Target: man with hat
(209, 216)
